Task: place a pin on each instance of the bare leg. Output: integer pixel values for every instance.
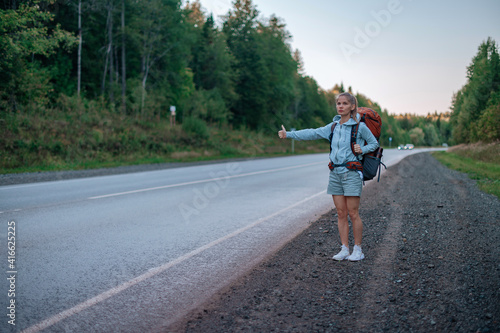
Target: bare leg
(352, 204)
(341, 205)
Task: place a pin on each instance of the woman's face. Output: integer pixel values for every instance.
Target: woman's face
(343, 106)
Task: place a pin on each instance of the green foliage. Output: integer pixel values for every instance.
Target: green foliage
(82, 133)
(487, 128)
(417, 136)
(242, 75)
(310, 107)
(211, 60)
(159, 34)
(476, 106)
(208, 105)
(479, 161)
(196, 128)
(280, 72)
(249, 66)
(25, 40)
(431, 130)
(430, 135)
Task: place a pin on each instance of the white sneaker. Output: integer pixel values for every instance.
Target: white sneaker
(357, 254)
(343, 254)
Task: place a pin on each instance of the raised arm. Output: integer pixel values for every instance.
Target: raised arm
(306, 134)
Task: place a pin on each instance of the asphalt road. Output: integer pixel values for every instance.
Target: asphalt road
(134, 252)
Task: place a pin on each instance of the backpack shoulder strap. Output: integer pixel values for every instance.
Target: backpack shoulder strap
(331, 136)
(354, 134)
(331, 132)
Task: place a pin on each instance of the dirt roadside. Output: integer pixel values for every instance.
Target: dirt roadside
(432, 247)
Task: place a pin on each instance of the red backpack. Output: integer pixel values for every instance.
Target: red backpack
(372, 120)
(371, 162)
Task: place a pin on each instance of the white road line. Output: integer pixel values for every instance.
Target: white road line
(152, 272)
(11, 211)
(199, 181)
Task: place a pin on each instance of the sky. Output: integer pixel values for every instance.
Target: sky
(409, 56)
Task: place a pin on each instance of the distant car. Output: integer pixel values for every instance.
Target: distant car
(401, 147)
(409, 146)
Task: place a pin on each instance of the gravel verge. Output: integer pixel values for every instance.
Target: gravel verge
(432, 247)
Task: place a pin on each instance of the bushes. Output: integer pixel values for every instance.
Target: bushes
(488, 125)
(79, 133)
(196, 128)
(207, 105)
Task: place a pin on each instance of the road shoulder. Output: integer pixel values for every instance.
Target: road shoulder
(431, 240)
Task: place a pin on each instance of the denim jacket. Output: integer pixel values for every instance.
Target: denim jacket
(341, 140)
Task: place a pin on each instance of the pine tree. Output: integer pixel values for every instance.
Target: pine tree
(242, 38)
(470, 103)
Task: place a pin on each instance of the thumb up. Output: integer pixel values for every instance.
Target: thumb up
(282, 133)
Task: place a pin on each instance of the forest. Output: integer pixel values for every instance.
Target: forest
(86, 81)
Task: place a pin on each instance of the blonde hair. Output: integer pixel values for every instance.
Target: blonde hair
(352, 99)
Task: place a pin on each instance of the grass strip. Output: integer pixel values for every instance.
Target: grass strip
(487, 174)
(89, 165)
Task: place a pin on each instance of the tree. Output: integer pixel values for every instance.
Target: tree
(311, 105)
(280, 69)
(417, 136)
(488, 125)
(431, 137)
(212, 61)
(158, 30)
(212, 72)
(469, 104)
(108, 62)
(195, 14)
(25, 40)
(124, 60)
(297, 56)
(242, 39)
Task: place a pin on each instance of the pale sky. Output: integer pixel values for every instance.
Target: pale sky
(410, 56)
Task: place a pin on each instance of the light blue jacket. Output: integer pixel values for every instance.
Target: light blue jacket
(341, 140)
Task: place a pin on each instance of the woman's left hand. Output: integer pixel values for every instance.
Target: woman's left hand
(357, 149)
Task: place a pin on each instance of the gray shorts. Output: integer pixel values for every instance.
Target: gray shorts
(348, 184)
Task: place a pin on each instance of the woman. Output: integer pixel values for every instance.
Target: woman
(345, 182)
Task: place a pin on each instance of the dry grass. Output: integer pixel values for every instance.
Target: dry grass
(480, 161)
(485, 152)
(65, 140)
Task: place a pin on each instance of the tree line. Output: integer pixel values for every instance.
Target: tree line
(138, 58)
(143, 56)
(476, 106)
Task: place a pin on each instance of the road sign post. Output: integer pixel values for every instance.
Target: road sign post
(172, 115)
